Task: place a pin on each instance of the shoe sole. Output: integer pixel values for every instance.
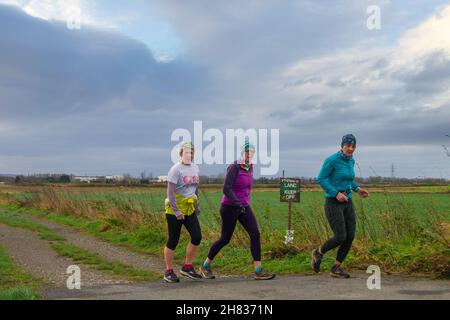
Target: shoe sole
(205, 276)
(265, 278)
(171, 281)
(188, 275)
(338, 276)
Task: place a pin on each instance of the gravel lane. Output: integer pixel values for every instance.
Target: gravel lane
(38, 258)
(106, 250)
(312, 287)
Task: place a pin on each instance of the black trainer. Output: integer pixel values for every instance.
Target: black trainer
(206, 272)
(316, 260)
(171, 277)
(190, 273)
(337, 272)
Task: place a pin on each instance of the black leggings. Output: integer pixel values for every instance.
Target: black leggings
(174, 227)
(230, 216)
(341, 217)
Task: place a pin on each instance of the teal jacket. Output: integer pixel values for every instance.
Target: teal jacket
(338, 174)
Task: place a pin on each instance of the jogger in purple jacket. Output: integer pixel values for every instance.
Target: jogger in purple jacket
(235, 206)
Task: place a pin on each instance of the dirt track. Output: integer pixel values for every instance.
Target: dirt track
(37, 257)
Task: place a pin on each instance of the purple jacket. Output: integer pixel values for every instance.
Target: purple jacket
(237, 186)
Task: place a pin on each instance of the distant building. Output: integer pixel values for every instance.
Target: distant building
(162, 178)
(90, 179)
(115, 177)
(87, 179)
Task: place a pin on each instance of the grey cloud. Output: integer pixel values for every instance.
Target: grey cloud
(65, 71)
(91, 101)
(432, 77)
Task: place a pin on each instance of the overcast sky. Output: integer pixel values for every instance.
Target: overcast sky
(105, 98)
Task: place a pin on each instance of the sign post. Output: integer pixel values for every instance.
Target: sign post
(289, 192)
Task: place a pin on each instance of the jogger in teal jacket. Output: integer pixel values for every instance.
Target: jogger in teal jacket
(338, 174)
(337, 180)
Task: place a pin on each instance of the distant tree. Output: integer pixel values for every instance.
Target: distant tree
(144, 178)
(51, 179)
(64, 178)
(446, 150)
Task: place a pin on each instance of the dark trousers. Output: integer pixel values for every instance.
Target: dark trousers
(174, 227)
(342, 219)
(230, 216)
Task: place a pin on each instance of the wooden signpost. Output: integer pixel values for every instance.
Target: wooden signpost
(289, 192)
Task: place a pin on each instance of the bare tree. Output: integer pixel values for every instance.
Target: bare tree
(445, 147)
(446, 150)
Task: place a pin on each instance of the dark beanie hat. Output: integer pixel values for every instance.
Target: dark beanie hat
(348, 139)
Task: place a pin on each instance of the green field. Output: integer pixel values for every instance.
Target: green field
(405, 232)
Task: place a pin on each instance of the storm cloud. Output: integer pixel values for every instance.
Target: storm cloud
(98, 101)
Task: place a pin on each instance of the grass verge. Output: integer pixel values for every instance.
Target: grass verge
(15, 283)
(414, 255)
(112, 268)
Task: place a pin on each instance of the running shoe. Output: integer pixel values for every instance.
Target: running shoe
(264, 275)
(190, 273)
(206, 272)
(338, 272)
(171, 277)
(316, 260)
